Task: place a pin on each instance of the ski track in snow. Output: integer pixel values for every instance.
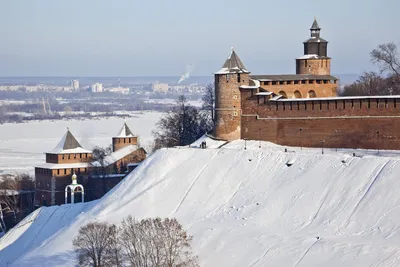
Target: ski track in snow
(325, 195)
(380, 261)
(305, 253)
(26, 245)
(367, 191)
(194, 182)
(262, 256)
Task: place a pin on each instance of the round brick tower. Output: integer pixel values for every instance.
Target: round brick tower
(315, 60)
(227, 98)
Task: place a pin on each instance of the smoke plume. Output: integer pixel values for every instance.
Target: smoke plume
(189, 69)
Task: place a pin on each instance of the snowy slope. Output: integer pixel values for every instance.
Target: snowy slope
(243, 207)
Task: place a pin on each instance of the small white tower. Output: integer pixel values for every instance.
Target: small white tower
(72, 187)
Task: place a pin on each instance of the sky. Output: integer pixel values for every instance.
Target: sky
(148, 38)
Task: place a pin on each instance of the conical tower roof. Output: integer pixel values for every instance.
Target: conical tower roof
(233, 65)
(69, 144)
(125, 131)
(315, 25)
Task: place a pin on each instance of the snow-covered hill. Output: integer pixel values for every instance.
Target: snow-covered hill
(253, 207)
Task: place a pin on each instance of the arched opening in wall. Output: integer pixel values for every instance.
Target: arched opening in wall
(297, 94)
(283, 93)
(312, 94)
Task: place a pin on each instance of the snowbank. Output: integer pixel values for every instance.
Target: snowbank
(244, 207)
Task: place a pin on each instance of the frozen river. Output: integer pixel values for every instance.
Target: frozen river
(22, 146)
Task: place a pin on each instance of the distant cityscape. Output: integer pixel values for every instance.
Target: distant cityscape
(52, 98)
(74, 85)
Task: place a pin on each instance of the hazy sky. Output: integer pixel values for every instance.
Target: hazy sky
(149, 37)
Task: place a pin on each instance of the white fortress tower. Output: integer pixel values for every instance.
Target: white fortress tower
(74, 185)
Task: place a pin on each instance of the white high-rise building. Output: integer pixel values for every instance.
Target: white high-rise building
(75, 84)
(97, 88)
(160, 87)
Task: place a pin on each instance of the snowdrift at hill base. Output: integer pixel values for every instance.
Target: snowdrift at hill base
(244, 207)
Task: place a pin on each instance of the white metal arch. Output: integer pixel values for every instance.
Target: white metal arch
(72, 187)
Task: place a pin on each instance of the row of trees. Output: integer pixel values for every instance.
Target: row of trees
(16, 198)
(183, 124)
(387, 82)
(145, 243)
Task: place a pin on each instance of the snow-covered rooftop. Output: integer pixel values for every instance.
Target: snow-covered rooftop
(10, 192)
(254, 84)
(233, 65)
(342, 98)
(125, 131)
(117, 155)
(264, 93)
(54, 166)
(311, 56)
(68, 144)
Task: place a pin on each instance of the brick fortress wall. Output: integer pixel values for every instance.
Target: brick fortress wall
(302, 89)
(368, 123)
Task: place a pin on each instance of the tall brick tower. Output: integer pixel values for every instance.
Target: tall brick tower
(315, 60)
(227, 98)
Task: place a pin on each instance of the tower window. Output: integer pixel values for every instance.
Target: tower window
(238, 78)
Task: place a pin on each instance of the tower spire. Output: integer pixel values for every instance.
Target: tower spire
(315, 29)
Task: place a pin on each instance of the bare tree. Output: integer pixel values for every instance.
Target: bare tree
(98, 163)
(387, 57)
(99, 154)
(179, 127)
(96, 245)
(370, 84)
(16, 196)
(156, 242)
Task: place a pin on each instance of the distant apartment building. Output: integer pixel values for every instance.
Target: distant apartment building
(97, 88)
(159, 87)
(180, 88)
(119, 90)
(75, 84)
(10, 87)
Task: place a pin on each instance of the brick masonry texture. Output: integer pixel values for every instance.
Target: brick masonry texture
(357, 123)
(227, 105)
(313, 66)
(121, 142)
(306, 90)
